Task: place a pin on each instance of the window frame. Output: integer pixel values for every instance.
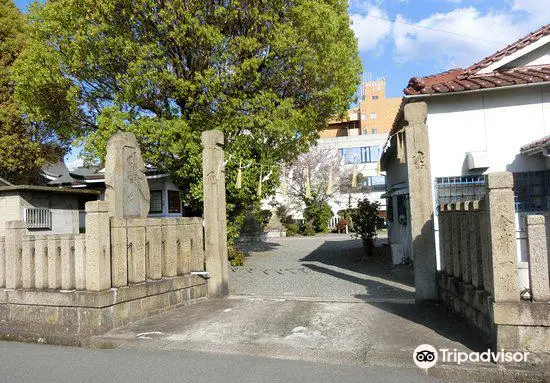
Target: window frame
(159, 192)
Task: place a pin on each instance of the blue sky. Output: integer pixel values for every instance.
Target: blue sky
(399, 39)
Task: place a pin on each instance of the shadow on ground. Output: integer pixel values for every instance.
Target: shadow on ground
(438, 318)
(256, 247)
(350, 255)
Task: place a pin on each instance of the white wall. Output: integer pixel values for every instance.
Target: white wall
(498, 122)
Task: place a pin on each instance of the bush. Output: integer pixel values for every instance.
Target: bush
(264, 216)
(319, 214)
(307, 229)
(366, 222)
(284, 215)
(291, 229)
(236, 257)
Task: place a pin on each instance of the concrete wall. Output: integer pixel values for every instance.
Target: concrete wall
(498, 122)
(64, 209)
(65, 286)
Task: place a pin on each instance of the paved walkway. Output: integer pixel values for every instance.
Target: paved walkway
(316, 299)
(330, 267)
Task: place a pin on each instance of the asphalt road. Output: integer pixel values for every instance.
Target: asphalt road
(21, 362)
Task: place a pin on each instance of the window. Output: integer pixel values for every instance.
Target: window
(37, 218)
(174, 201)
(362, 155)
(532, 191)
(459, 189)
(156, 202)
(370, 154)
(376, 183)
(363, 116)
(375, 97)
(373, 116)
(374, 130)
(350, 155)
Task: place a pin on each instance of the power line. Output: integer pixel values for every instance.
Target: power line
(437, 30)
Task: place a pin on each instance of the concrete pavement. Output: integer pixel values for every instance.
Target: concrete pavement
(22, 363)
(366, 334)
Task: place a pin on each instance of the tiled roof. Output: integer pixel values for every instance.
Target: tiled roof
(538, 144)
(460, 80)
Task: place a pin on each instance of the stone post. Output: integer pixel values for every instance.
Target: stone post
(421, 201)
(502, 237)
(215, 220)
(98, 246)
(538, 258)
(14, 254)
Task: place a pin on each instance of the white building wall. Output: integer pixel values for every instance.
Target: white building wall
(341, 201)
(497, 122)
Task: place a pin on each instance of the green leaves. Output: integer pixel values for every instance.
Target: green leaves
(269, 74)
(24, 145)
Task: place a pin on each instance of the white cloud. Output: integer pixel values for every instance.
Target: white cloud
(77, 163)
(447, 50)
(371, 27)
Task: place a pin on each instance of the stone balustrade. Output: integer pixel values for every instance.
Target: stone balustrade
(65, 288)
(479, 278)
(125, 252)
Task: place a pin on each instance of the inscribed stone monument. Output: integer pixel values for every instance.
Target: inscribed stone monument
(127, 190)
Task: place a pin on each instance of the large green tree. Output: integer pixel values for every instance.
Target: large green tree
(24, 147)
(267, 73)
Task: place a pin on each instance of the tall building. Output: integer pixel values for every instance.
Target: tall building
(376, 112)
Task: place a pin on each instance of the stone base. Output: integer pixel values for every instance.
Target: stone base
(71, 317)
(470, 303)
(249, 238)
(273, 234)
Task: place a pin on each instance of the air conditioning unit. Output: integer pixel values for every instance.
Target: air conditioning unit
(477, 160)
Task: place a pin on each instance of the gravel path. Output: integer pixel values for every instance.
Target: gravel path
(327, 267)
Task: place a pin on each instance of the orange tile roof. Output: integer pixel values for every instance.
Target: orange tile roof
(460, 80)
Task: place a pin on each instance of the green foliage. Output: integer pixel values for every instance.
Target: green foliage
(307, 229)
(284, 215)
(268, 74)
(24, 147)
(367, 221)
(264, 216)
(235, 256)
(291, 229)
(318, 213)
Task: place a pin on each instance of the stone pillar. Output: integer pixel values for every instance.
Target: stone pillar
(502, 237)
(98, 246)
(421, 201)
(14, 251)
(2, 261)
(215, 220)
(538, 258)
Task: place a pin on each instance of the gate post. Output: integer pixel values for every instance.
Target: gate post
(215, 220)
(421, 201)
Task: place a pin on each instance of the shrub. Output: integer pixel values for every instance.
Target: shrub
(366, 222)
(235, 256)
(291, 229)
(284, 215)
(319, 214)
(264, 216)
(307, 229)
